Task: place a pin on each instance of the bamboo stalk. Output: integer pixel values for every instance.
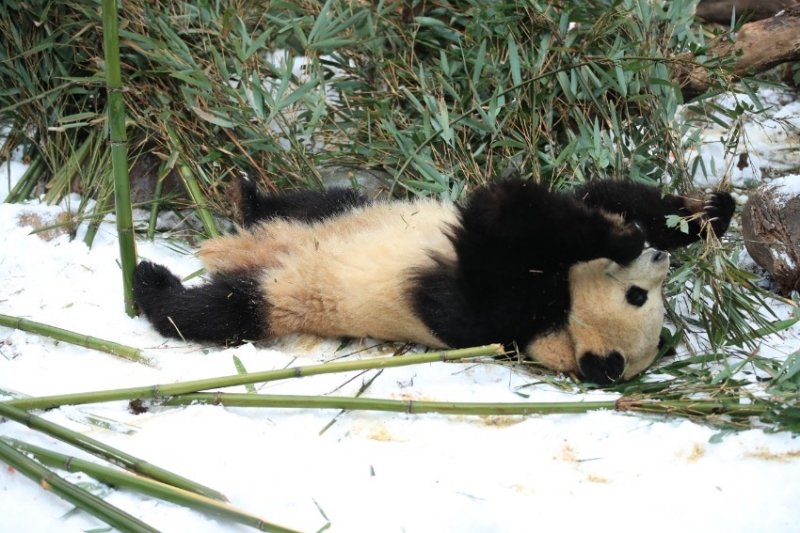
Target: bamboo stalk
(119, 478)
(87, 341)
(151, 226)
(106, 452)
(97, 215)
(30, 184)
(674, 407)
(197, 197)
(82, 499)
(159, 391)
(119, 153)
(392, 406)
(63, 176)
(31, 175)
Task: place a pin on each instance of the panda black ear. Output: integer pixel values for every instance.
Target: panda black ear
(602, 370)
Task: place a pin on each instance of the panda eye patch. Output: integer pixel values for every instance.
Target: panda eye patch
(636, 296)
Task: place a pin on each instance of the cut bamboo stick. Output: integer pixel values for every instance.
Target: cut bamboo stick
(158, 392)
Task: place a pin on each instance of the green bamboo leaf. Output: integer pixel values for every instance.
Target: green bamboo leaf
(297, 94)
(790, 368)
(621, 82)
(195, 78)
(429, 21)
(513, 60)
(330, 44)
(213, 117)
(241, 370)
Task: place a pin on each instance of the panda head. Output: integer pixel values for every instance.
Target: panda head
(615, 320)
(616, 315)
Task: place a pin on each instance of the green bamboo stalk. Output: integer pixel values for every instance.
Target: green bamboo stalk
(675, 407)
(118, 478)
(197, 197)
(171, 389)
(119, 153)
(106, 452)
(31, 175)
(62, 179)
(392, 406)
(30, 184)
(87, 341)
(97, 215)
(151, 226)
(82, 499)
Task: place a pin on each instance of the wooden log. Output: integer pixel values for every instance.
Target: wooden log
(720, 11)
(760, 46)
(771, 230)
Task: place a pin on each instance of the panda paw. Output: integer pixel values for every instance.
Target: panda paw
(149, 278)
(719, 209)
(625, 243)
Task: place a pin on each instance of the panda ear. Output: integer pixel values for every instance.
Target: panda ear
(602, 370)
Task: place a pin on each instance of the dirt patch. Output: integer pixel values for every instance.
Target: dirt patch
(500, 421)
(55, 226)
(698, 452)
(768, 455)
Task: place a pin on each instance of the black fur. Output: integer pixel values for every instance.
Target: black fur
(515, 245)
(305, 206)
(648, 207)
(224, 311)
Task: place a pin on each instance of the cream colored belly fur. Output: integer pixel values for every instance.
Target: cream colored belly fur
(345, 276)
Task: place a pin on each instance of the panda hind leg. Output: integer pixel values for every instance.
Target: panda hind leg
(253, 207)
(227, 310)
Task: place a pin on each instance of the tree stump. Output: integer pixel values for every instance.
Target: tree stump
(771, 229)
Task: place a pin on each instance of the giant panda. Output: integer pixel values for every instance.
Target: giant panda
(571, 280)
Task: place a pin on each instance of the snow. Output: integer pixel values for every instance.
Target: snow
(368, 472)
(770, 144)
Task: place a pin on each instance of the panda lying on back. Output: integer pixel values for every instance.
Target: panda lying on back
(564, 277)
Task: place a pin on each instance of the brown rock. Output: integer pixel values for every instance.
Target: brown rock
(771, 229)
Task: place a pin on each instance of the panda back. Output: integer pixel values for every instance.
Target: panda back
(345, 276)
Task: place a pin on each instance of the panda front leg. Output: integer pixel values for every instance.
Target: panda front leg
(649, 207)
(520, 225)
(227, 310)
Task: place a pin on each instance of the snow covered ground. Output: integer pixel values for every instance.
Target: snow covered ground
(371, 472)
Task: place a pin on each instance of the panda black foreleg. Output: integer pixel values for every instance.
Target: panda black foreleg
(647, 206)
(227, 310)
(515, 225)
(305, 206)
